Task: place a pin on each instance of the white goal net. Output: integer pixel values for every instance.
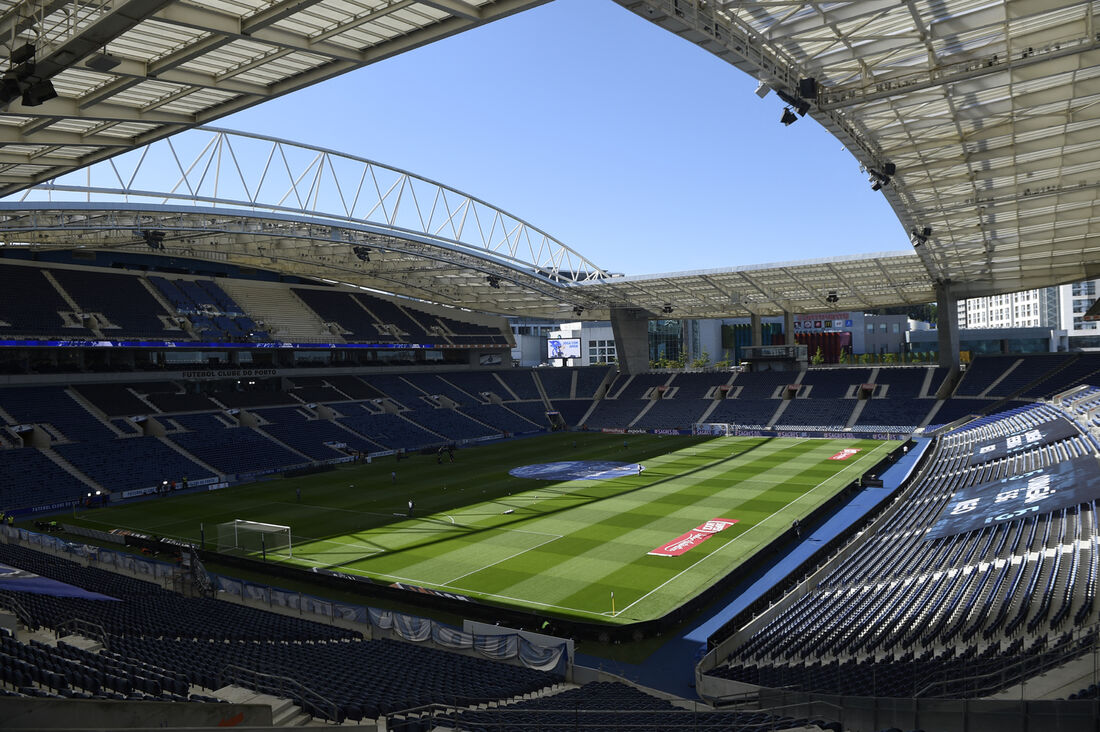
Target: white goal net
(254, 537)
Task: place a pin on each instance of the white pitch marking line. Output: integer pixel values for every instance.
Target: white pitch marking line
(505, 559)
(759, 523)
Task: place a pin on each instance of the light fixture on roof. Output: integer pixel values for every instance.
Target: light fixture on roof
(788, 117)
(762, 89)
(577, 310)
(667, 309)
(880, 178)
(361, 253)
(831, 297)
(38, 93)
(153, 239)
(920, 236)
(493, 281)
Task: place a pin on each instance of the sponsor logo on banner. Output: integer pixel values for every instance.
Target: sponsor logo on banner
(693, 538)
(845, 453)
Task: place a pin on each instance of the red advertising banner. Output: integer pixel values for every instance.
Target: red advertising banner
(693, 538)
(845, 453)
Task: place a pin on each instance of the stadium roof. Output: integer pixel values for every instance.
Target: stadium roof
(985, 110)
(976, 119)
(128, 72)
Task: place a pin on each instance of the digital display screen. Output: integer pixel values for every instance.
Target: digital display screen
(564, 348)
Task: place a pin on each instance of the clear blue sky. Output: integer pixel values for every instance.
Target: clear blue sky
(636, 148)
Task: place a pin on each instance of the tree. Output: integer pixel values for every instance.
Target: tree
(701, 361)
(818, 358)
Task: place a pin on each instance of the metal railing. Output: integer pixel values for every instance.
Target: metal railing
(281, 686)
(86, 628)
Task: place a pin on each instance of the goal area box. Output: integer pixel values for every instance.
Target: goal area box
(254, 537)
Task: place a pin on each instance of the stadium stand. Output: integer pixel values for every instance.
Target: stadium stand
(30, 306)
(231, 450)
(28, 478)
(114, 400)
(319, 439)
(130, 309)
(126, 464)
(160, 645)
(946, 612)
(391, 431)
(54, 406)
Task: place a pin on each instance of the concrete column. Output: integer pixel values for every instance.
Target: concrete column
(631, 329)
(788, 328)
(757, 329)
(947, 322)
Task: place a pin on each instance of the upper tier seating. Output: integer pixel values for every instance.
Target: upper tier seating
(122, 298)
(754, 413)
(451, 423)
(1032, 367)
(399, 389)
(504, 419)
(29, 306)
(439, 384)
(343, 309)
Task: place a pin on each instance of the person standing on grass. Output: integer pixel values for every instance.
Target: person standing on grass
(393, 476)
(298, 493)
(410, 508)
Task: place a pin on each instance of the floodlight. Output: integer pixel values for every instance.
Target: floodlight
(788, 117)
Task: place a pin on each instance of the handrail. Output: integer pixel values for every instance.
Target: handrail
(24, 615)
(86, 628)
(436, 710)
(1027, 666)
(279, 686)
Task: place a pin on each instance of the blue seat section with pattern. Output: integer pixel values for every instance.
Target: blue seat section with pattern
(1084, 368)
(29, 306)
(679, 413)
(589, 379)
(390, 430)
(398, 389)
(231, 450)
(141, 462)
(981, 373)
(755, 413)
(437, 384)
(533, 411)
(572, 411)
(763, 384)
(834, 383)
(341, 308)
(393, 314)
(900, 409)
(114, 400)
(475, 383)
(122, 298)
(817, 413)
(450, 423)
(953, 409)
(53, 405)
(353, 387)
(698, 385)
(521, 382)
(558, 383)
(316, 438)
(1033, 367)
(29, 479)
(504, 418)
(615, 413)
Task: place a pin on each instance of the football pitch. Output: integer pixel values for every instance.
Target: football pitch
(575, 548)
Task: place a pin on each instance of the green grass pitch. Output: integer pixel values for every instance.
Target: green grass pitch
(564, 548)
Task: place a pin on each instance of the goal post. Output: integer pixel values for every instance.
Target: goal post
(254, 537)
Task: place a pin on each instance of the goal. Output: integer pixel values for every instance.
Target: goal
(253, 537)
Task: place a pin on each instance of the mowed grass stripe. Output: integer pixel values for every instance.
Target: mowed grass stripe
(637, 573)
(606, 526)
(596, 553)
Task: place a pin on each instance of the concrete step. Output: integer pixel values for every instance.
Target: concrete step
(284, 712)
